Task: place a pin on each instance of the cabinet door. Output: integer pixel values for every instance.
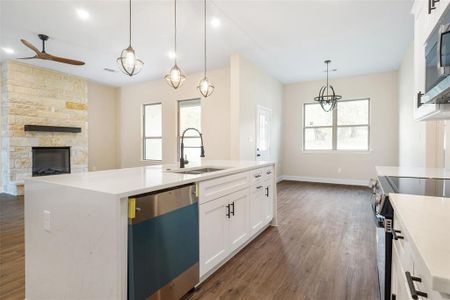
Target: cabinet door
(239, 222)
(257, 199)
(268, 201)
(214, 231)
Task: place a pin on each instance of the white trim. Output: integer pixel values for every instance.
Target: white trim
(280, 178)
(343, 181)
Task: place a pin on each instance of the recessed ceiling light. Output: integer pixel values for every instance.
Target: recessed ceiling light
(83, 14)
(8, 50)
(215, 22)
(171, 54)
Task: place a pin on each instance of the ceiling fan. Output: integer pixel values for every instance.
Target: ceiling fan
(45, 56)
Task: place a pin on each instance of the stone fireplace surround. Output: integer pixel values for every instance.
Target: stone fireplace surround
(37, 96)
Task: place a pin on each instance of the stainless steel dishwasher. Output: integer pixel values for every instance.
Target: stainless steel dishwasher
(163, 243)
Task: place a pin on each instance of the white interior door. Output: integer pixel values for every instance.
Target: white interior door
(263, 133)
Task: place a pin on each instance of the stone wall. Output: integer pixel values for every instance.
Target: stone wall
(37, 96)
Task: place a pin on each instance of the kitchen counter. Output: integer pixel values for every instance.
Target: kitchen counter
(426, 221)
(132, 181)
(413, 172)
(76, 225)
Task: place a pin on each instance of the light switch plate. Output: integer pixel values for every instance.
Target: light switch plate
(47, 223)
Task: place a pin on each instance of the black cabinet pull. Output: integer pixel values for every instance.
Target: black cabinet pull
(397, 237)
(412, 289)
(258, 187)
(228, 211)
(232, 206)
(267, 191)
(432, 5)
(257, 176)
(269, 172)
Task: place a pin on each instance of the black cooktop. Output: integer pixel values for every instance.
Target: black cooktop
(420, 186)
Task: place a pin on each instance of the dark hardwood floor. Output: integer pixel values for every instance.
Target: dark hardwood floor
(12, 252)
(323, 248)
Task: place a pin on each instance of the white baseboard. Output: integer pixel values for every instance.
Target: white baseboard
(280, 178)
(343, 181)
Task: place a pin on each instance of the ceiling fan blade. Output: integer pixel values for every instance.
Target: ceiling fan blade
(31, 57)
(30, 45)
(65, 60)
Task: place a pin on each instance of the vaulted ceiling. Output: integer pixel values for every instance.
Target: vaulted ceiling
(289, 39)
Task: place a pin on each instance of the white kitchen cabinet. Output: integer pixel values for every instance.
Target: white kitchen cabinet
(214, 231)
(239, 219)
(229, 218)
(224, 227)
(257, 206)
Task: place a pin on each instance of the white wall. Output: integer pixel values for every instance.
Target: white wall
(250, 87)
(103, 135)
(355, 167)
(215, 117)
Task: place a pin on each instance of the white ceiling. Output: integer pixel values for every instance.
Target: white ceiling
(289, 39)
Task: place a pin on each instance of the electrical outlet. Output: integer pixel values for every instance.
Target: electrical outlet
(47, 220)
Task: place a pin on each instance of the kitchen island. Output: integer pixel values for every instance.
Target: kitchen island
(76, 225)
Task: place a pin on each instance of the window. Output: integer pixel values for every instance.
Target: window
(152, 131)
(345, 128)
(190, 115)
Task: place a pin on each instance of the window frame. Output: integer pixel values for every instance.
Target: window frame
(145, 137)
(334, 128)
(178, 126)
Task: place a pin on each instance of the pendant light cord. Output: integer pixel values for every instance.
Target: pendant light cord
(130, 22)
(204, 35)
(175, 33)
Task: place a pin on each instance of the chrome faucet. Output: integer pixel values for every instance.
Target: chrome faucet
(183, 161)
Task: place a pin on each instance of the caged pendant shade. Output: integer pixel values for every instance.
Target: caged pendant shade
(175, 78)
(205, 87)
(327, 96)
(128, 63)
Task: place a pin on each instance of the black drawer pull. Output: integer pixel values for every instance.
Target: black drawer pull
(397, 237)
(269, 172)
(228, 211)
(259, 187)
(257, 176)
(232, 206)
(412, 289)
(267, 191)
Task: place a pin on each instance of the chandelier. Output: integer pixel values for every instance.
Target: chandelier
(327, 96)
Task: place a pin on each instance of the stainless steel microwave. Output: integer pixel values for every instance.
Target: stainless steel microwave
(437, 63)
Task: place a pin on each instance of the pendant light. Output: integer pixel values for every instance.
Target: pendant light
(205, 87)
(128, 63)
(175, 78)
(327, 96)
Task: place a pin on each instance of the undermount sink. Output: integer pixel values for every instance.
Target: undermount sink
(198, 171)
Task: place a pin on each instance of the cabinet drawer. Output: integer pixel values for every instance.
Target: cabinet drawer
(219, 187)
(259, 175)
(403, 245)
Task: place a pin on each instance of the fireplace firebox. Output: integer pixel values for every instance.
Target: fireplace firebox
(50, 160)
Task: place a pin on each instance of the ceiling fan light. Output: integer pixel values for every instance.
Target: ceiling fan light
(128, 63)
(175, 78)
(205, 87)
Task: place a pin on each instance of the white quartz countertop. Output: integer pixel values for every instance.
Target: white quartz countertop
(427, 221)
(413, 172)
(132, 181)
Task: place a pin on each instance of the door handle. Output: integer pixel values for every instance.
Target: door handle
(232, 206)
(267, 191)
(228, 211)
(259, 187)
(412, 289)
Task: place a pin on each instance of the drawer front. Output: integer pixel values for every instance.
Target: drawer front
(403, 246)
(259, 175)
(219, 187)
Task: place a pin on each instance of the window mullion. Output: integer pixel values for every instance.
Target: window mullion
(334, 130)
